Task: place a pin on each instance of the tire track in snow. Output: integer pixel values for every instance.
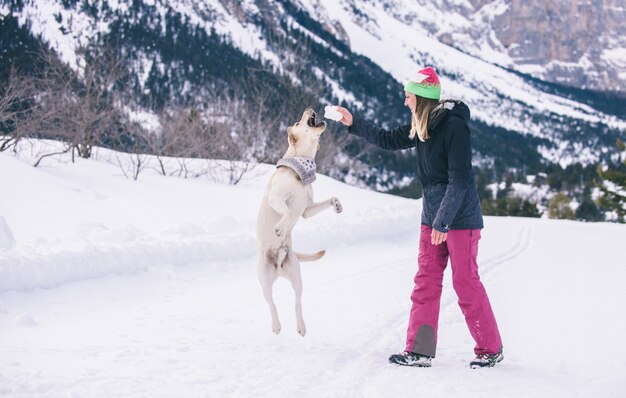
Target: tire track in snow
(522, 244)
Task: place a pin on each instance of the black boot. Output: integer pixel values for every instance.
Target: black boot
(486, 360)
(408, 358)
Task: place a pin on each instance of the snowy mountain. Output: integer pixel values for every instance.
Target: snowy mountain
(357, 52)
(576, 43)
(114, 287)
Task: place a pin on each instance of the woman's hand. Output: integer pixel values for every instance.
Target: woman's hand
(438, 237)
(347, 116)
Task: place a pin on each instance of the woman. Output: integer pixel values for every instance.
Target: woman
(451, 218)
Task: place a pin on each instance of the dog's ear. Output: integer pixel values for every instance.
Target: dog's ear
(292, 138)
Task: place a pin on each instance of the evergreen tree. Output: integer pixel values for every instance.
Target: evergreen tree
(613, 186)
(509, 206)
(588, 211)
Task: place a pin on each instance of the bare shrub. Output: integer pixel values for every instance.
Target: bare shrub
(17, 99)
(76, 107)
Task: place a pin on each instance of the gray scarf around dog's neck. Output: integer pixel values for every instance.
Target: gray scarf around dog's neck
(304, 167)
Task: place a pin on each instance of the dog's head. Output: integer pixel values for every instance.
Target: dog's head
(304, 135)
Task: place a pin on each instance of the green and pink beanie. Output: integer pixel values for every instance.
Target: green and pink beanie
(425, 84)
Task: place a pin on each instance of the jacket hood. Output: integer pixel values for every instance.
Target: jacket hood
(448, 108)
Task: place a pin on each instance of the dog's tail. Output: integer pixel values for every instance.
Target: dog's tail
(310, 257)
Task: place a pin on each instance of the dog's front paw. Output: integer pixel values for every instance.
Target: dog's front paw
(279, 229)
(336, 205)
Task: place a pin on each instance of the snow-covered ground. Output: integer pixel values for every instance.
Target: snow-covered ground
(117, 288)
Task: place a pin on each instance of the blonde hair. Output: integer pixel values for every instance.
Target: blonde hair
(419, 118)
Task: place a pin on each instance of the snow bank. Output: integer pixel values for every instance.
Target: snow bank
(92, 222)
(7, 241)
(47, 266)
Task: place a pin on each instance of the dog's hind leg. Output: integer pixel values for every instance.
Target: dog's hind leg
(267, 293)
(294, 274)
(267, 276)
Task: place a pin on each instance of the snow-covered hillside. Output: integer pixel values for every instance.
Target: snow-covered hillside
(397, 39)
(113, 287)
(399, 36)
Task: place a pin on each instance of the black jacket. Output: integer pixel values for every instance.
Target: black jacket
(444, 165)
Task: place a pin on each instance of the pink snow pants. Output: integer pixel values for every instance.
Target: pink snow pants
(461, 246)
